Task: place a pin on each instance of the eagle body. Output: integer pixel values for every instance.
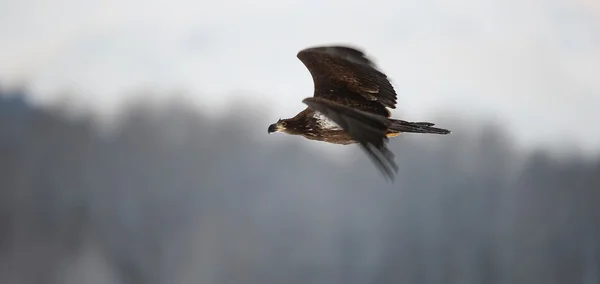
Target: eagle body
(350, 105)
(316, 126)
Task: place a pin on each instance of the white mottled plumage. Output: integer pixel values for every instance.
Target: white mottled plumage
(325, 122)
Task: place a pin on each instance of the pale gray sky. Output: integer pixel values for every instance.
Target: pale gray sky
(533, 63)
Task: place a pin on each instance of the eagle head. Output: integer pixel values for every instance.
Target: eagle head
(280, 125)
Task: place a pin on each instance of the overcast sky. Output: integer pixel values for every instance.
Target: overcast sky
(534, 64)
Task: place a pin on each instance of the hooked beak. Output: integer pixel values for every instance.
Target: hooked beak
(275, 127)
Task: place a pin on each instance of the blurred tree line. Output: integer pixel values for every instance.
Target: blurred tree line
(174, 196)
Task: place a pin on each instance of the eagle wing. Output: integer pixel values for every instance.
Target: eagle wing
(368, 129)
(347, 76)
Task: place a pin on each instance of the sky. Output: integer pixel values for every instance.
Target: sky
(531, 65)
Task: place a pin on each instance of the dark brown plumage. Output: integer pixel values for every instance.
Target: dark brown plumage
(349, 105)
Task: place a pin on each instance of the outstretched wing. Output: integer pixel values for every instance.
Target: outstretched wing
(366, 128)
(347, 76)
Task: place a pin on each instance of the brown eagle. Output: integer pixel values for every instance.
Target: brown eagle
(349, 105)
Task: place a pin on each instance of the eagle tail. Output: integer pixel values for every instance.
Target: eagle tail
(416, 127)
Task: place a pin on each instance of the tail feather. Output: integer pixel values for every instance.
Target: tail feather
(424, 123)
(416, 127)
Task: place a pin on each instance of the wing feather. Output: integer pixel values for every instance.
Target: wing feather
(369, 130)
(335, 68)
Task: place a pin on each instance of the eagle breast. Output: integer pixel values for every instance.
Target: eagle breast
(325, 123)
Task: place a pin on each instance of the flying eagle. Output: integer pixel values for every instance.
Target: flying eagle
(349, 105)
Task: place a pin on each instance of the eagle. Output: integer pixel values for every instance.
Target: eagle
(350, 105)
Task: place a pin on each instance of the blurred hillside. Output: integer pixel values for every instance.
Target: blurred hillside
(174, 196)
